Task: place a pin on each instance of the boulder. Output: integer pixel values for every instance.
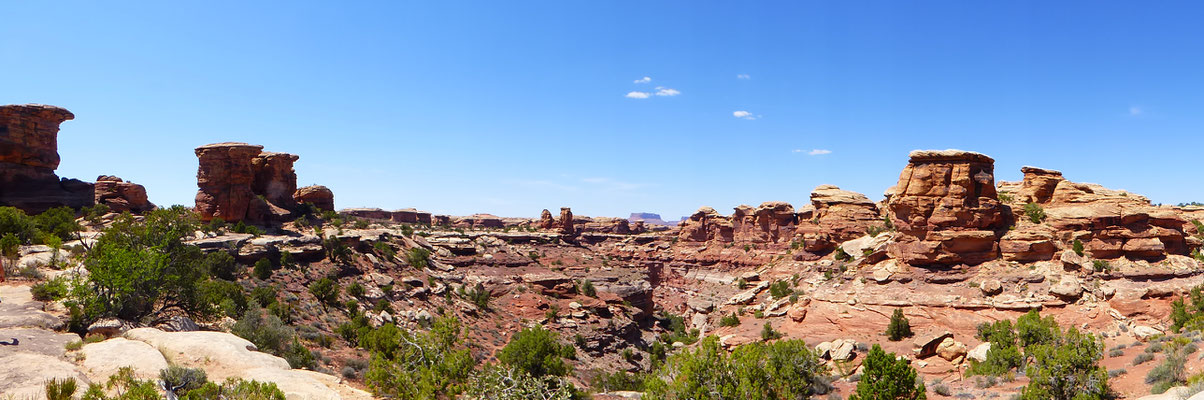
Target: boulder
(991, 287)
(110, 327)
(1068, 288)
(320, 196)
(121, 196)
(979, 353)
(926, 344)
(1143, 332)
(951, 350)
(103, 359)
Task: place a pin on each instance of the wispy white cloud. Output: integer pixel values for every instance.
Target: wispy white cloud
(819, 152)
(643, 80)
(744, 115)
(796, 151)
(1136, 111)
(637, 95)
(664, 91)
(743, 76)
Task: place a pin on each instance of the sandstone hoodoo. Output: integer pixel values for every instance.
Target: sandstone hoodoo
(28, 157)
(770, 222)
(835, 216)
(946, 209)
(241, 182)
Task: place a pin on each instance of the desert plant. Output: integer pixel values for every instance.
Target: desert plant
(263, 269)
(60, 389)
(182, 380)
(536, 351)
(888, 378)
(899, 327)
(1034, 212)
(325, 291)
(1077, 246)
(729, 320)
(587, 288)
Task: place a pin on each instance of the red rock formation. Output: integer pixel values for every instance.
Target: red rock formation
(607, 225)
(410, 216)
(769, 223)
(121, 196)
(275, 179)
(318, 195)
(835, 216)
(369, 213)
(545, 220)
(1038, 185)
(566, 221)
(946, 209)
(705, 225)
(29, 156)
(225, 178)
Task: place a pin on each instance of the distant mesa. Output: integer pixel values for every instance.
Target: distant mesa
(29, 155)
(652, 219)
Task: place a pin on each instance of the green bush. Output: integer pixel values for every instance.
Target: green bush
(780, 289)
(1077, 246)
(841, 255)
(423, 366)
(271, 335)
(221, 265)
(336, 250)
(888, 378)
(58, 221)
(536, 351)
(14, 221)
(236, 389)
(263, 269)
(587, 288)
(501, 382)
(384, 250)
(60, 389)
(1034, 212)
(183, 380)
(141, 269)
(50, 290)
(785, 369)
(1004, 356)
(479, 297)
(355, 290)
(325, 291)
(899, 326)
(729, 320)
(1066, 367)
(768, 333)
(418, 257)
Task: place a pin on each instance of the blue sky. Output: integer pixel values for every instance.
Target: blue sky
(513, 107)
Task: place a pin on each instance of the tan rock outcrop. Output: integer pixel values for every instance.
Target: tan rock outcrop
(545, 220)
(946, 208)
(770, 222)
(835, 216)
(28, 157)
(566, 221)
(275, 178)
(706, 224)
(241, 182)
(1038, 185)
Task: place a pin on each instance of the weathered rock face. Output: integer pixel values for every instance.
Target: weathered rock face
(318, 195)
(768, 223)
(545, 220)
(29, 156)
(225, 178)
(240, 182)
(1109, 223)
(835, 216)
(946, 209)
(275, 179)
(704, 225)
(606, 225)
(566, 221)
(410, 215)
(121, 196)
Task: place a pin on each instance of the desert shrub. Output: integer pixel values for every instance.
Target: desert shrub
(1034, 212)
(263, 269)
(1066, 367)
(841, 255)
(587, 288)
(676, 327)
(182, 380)
(1142, 358)
(888, 378)
(1077, 246)
(768, 333)
(1101, 266)
(236, 389)
(786, 369)
(501, 382)
(242, 227)
(729, 320)
(384, 250)
(1004, 356)
(479, 296)
(15, 222)
(140, 269)
(265, 295)
(941, 389)
(336, 250)
(1171, 371)
(355, 290)
(899, 327)
(1116, 353)
(418, 257)
(780, 289)
(60, 389)
(59, 222)
(618, 380)
(1033, 330)
(422, 366)
(536, 351)
(50, 290)
(325, 291)
(271, 335)
(221, 265)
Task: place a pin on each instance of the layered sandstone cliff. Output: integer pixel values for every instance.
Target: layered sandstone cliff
(241, 182)
(29, 156)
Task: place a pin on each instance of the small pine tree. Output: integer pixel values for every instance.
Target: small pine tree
(888, 378)
(587, 288)
(1078, 247)
(768, 333)
(899, 327)
(263, 269)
